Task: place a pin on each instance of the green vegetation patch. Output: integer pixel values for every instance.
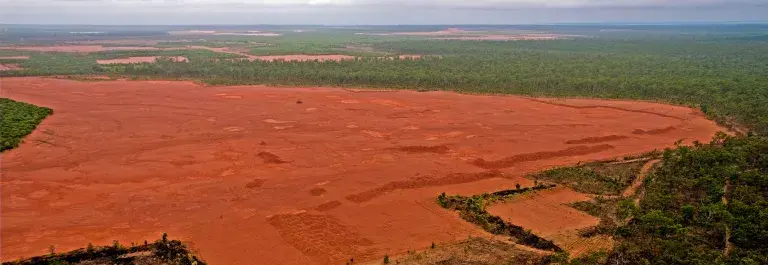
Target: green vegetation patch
(613, 212)
(17, 120)
(472, 251)
(160, 252)
(605, 178)
(192, 54)
(683, 217)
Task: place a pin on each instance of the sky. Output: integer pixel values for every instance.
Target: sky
(377, 12)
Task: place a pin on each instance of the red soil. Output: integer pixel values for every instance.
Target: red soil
(95, 48)
(9, 67)
(548, 216)
(79, 48)
(448, 31)
(597, 139)
(632, 189)
(144, 59)
(24, 57)
(234, 170)
(147, 42)
(140, 59)
(546, 212)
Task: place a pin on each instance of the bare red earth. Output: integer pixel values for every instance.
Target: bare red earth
(21, 57)
(77, 48)
(248, 176)
(9, 67)
(291, 57)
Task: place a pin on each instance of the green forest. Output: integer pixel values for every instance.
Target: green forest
(723, 75)
(706, 204)
(17, 119)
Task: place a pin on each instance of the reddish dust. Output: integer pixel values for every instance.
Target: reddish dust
(247, 175)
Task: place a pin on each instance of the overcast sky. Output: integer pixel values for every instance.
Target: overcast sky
(356, 12)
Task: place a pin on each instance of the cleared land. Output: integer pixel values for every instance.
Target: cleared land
(78, 48)
(547, 214)
(316, 175)
(21, 57)
(9, 67)
(141, 59)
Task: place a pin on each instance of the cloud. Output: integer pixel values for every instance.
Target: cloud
(363, 3)
(374, 11)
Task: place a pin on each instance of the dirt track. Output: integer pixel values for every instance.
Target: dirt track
(9, 67)
(249, 176)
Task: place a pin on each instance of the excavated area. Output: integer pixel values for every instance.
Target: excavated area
(310, 175)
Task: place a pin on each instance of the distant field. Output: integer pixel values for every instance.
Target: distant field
(718, 69)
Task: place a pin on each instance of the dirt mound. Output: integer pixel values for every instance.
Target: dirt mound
(511, 161)
(655, 131)
(551, 102)
(317, 191)
(256, 183)
(270, 158)
(129, 160)
(328, 205)
(597, 140)
(423, 182)
(437, 149)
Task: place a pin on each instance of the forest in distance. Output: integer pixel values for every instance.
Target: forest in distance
(720, 70)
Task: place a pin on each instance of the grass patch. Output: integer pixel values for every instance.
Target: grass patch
(162, 251)
(191, 54)
(17, 120)
(613, 213)
(474, 251)
(602, 178)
